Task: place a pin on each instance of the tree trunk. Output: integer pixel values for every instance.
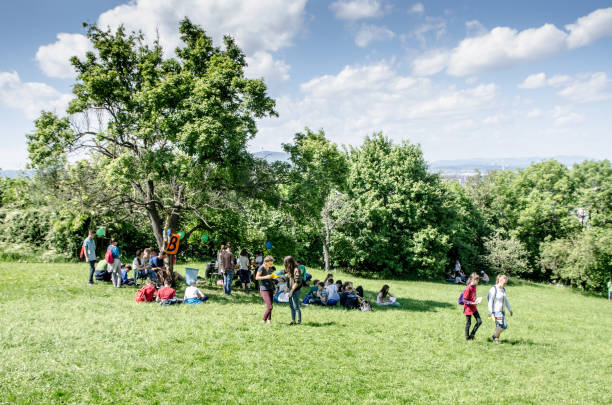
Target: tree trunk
(327, 236)
(156, 223)
(171, 224)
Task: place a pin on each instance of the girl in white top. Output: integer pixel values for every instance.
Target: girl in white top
(497, 301)
(385, 298)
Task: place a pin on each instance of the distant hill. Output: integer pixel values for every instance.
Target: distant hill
(271, 156)
(11, 174)
(465, 166)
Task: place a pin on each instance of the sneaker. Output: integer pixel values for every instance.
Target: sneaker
(495, 339)
(91, 283)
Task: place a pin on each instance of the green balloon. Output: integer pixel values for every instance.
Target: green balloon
(101, 232)
(181, 235)
(204, 238)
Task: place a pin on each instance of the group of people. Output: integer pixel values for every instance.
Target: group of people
(458, 276)
(278, 286)
(497, 302)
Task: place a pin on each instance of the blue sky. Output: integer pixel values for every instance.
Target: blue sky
(464, 79)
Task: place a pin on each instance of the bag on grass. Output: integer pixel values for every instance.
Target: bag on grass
(366, 306)
(140, 295)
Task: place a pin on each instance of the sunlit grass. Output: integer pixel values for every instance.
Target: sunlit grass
(62, 341)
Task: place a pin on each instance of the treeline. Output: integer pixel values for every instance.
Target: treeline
(374, 209)
(151, 144)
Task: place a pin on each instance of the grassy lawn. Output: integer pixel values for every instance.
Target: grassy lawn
(62, 341)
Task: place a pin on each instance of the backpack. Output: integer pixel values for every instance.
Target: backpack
(460, 300)
(109, 255)
(140, 295)
(491, 298)
(366, 306)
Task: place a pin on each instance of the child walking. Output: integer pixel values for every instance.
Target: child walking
(497, 301)
(469, 306)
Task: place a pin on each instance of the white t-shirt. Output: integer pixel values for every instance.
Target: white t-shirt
(501, 300)
(332, 293)
(193, 292)
(244, 262)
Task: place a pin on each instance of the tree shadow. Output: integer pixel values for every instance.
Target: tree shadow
(409, 304)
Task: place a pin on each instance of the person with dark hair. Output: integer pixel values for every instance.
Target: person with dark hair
(227, 261)
(142, 269)
(266, 286)
(385, 298)
(294, 276)
(89, 248)
(469, 306)
(115, 266)
(244, 269)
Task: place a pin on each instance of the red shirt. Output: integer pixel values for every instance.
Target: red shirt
(165, 293)
(469, 295)
(149, 292)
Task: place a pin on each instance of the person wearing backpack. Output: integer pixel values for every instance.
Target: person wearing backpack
(114, 264)
(469, 306)
(497, 301)
(294, 275)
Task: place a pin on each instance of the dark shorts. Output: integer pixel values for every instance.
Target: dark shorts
(245, 276)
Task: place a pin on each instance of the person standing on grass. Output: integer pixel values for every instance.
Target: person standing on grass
(227, 259)
(497, 301)
(115, 266)
(90, 253)
(219, 254)
(609, 289)
(469, 306)
(244, 272)
(294, 275)
(266, 286)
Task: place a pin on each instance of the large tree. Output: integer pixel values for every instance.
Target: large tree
(168, 135)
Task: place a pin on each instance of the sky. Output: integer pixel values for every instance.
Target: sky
(463, 79)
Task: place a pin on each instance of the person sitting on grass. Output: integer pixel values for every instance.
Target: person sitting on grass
(384, 298)
(194, 296)
(142, 268)
(321, 296)
(166, 295)
(484, 277)
(281, 294)
(101, 274)
(310, 295)
(124, 275)
(147, 292)
(332, 293)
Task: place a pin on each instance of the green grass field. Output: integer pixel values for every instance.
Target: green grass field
(62, 341)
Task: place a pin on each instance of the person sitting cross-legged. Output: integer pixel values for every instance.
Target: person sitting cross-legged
(194, 296)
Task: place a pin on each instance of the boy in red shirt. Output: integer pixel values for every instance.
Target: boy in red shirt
(146, 293)
(469, 306)
(166, 295)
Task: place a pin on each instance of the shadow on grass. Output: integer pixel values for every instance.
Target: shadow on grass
(319, 324)
(409, 304)
(520, 342)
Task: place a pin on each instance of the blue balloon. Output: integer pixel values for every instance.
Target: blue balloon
(268, 245)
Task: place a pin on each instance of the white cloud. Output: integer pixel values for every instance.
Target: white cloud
(417, 8)
(475, 28)
(582, 88)
(263, 25)
(435, 25)
(563, 115)
(588, 87)
(495, 119)
(54, 59)
(31, 97)
(262, 64)
(357, 9)
(362, 99)
(430, 62)
(535, 113)
(370, 33)
(502, 47)
(590, 28)
(534, 81)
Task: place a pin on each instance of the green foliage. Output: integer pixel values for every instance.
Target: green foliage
(506, 255)
(584, 260)
(395, 214)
